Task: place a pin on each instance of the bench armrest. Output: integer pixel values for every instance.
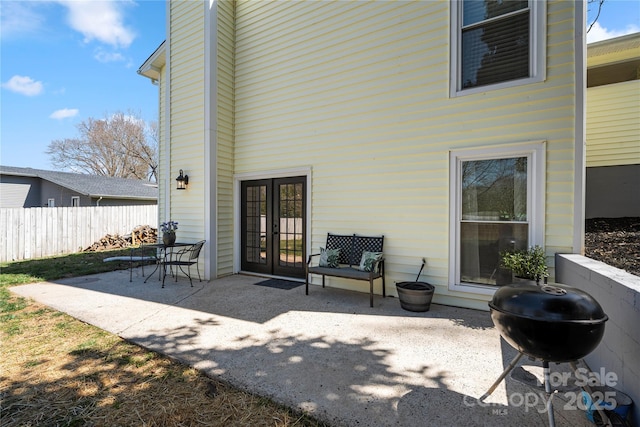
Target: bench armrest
(311, 256)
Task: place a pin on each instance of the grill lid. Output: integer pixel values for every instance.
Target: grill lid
(549, 302)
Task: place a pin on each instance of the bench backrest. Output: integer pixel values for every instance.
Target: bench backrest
(352, 246)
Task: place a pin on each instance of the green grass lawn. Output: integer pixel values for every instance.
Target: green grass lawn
(53, 268)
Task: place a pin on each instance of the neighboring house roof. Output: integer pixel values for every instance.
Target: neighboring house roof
(91, 185)
(613, 60)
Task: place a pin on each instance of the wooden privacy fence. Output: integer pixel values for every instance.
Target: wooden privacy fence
(39, 232)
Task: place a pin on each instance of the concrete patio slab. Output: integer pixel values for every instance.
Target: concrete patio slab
(327, 353)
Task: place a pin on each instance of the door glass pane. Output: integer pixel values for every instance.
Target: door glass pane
(291, 221)
(494, 217)
(255, 225)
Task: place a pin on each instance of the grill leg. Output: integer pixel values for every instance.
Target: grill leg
(547, 389)
(512, 365)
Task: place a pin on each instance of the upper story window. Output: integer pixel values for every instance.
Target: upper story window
(496, 44)
(75, 201)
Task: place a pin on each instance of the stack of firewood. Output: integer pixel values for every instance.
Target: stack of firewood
(139, 235)
(144, 234)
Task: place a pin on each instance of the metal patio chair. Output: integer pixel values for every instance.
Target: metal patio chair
(183, 258)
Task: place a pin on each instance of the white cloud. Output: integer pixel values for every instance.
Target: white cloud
(64, 113)
(19, 18)
(99, 20)
(103, 56)
(599, 33)
(23, 85)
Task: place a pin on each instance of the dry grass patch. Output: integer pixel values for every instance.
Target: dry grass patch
(56, 370)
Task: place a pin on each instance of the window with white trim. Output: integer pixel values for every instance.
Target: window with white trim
(496, 44)
(51, 203)
(75, 201)
(497, 204)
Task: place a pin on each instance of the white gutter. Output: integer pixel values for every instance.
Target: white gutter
(210, 138)
(167, 117)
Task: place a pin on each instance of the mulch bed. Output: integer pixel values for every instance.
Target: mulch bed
(615, 241)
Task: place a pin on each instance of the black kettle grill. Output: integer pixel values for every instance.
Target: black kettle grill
(551, 322)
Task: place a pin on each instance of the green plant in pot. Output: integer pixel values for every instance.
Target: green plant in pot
(528, 264)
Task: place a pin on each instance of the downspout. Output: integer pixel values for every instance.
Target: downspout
(167, 118)
(98, 201)
(210, 138)
(580, 129)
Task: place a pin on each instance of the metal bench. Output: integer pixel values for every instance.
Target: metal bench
(351, 249)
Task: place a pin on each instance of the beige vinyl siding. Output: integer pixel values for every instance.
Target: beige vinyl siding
(225, 134)
(359, 92)
(187, 117)
(188, 126)
(613, 124)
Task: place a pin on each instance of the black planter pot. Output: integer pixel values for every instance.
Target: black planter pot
(415, 296)
(168, 238)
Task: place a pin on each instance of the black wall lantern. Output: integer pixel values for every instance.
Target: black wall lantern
(182, 180)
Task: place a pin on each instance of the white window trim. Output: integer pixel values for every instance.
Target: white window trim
(535, 152)
(537, 50)
(77, 199)
(51, 203)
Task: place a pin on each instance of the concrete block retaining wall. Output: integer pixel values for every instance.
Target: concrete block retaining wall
(618, 292)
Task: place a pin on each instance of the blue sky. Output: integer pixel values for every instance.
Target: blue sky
(63, 62)
(618, 18)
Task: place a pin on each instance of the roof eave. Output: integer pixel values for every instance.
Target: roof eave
(618, 49)
(152, 66)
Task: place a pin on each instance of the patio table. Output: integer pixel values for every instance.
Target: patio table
(164, 252)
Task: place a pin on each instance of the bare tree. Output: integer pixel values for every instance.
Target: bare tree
(120, 146)
(150, 153)
(599, 3)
